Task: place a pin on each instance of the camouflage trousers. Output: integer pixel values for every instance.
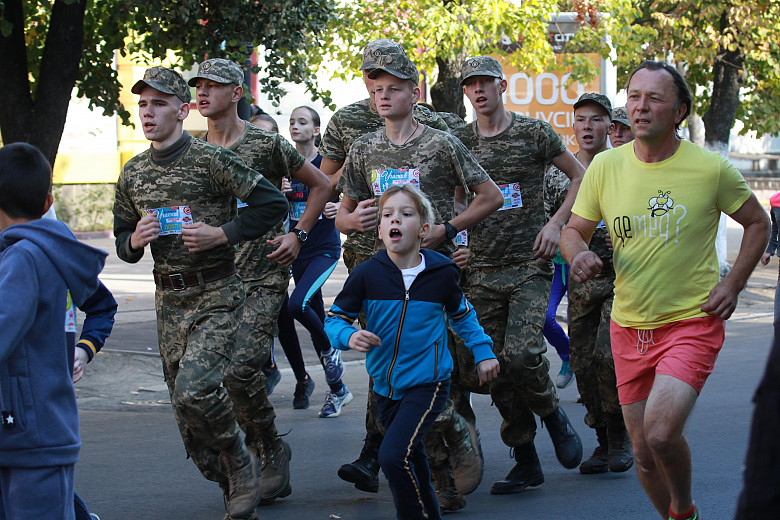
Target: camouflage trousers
(435, 445)
(196, 330)
(245, 381)
(590, 352)
(511, 305)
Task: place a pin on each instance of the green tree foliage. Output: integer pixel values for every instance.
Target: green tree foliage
(438, 35)
(730, 52)
(48, 48)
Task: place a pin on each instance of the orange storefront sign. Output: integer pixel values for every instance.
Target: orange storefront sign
(548, 96)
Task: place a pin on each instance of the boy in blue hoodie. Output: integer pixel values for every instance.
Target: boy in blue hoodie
(406, 294)
(40, 261)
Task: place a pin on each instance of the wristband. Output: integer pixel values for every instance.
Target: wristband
(449, 230)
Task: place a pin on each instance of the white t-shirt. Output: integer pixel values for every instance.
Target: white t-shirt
(411, 273)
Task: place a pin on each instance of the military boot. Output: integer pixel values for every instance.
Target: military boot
(450, 499)
(275, 474)
(240, 467)
(364, 472)
(466, 458)
(526, 473)
(620, 454)
(568, 446)
(597, 463)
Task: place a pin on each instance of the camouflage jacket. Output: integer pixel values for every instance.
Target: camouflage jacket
(435, 161)
(359, 119)
(204, 178)
(516, 160)
(272, 155)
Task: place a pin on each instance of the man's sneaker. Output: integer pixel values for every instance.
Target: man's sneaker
(275, 473)
(565, 376)
(272, 378)
(334, 367)
(303, 390)
(364, 472)
(252, 516)
(465, 454)
(240, 467)
(568, 446)
(334, 401)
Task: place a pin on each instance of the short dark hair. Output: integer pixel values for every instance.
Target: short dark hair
(25, 180)
(684, 96)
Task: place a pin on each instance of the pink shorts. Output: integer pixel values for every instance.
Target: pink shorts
(685, 350)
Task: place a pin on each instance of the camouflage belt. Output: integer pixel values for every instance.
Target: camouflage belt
(180, 281)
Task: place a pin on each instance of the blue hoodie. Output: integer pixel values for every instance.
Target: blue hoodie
(411, 324)
(39, 262)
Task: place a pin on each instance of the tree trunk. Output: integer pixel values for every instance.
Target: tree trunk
(39, 118)
(447, 94)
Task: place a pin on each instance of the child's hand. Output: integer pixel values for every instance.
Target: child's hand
(488, 370)
(79, 362)
(363, 340)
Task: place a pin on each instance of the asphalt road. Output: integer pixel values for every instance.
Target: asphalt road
(133, 465)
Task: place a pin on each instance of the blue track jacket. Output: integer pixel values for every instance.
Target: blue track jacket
(40, 262)
(410, 324)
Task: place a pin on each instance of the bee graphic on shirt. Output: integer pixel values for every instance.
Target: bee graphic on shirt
(660, 204)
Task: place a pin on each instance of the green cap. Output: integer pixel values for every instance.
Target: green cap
(377, 48)
(620, 114)
(219, 70)
(598, 99)
(166, 80)
(481, 66)
(396, 64)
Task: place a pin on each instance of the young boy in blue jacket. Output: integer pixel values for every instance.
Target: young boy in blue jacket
(406, 294)
(40, 261)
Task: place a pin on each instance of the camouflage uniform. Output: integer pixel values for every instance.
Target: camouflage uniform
(590, 306)
(507, 286)
(265, 283)
(196, 326)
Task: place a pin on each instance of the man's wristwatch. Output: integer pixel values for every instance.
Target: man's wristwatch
(301, 234)
(450, 231)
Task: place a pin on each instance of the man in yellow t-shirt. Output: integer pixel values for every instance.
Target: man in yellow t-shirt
(661, 199)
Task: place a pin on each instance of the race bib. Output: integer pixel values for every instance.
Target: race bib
(512, 198)
(382, 179)
(171, 219)
(297, 209)
(240, 204)
(70, 316)
(462, 238)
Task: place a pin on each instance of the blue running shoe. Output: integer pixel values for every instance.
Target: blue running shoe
(334, 401)
(272, 378)
(334, 367)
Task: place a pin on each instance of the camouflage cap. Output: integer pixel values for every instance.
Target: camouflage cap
(620, 114)
(397, 64)
(166, 80)
(219, 70)
(481, 66)
(598, 99)
(377, 48)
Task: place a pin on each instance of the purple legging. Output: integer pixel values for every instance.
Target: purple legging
(553, 332)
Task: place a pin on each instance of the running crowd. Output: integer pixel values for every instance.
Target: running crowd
(462, 239)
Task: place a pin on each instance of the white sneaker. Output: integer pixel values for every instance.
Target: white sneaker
(334, 402)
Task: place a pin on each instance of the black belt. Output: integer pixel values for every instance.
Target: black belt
(180, 281)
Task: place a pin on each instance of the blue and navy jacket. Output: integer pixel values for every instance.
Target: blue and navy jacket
(411, 324)
(40, 262)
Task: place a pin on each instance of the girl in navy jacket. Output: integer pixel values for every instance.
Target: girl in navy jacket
(406, 295)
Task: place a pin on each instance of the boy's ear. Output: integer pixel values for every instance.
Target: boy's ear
(47, 203)
(424, 230)
(416, 94)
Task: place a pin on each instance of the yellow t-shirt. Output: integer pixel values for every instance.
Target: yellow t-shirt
(663, 218)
